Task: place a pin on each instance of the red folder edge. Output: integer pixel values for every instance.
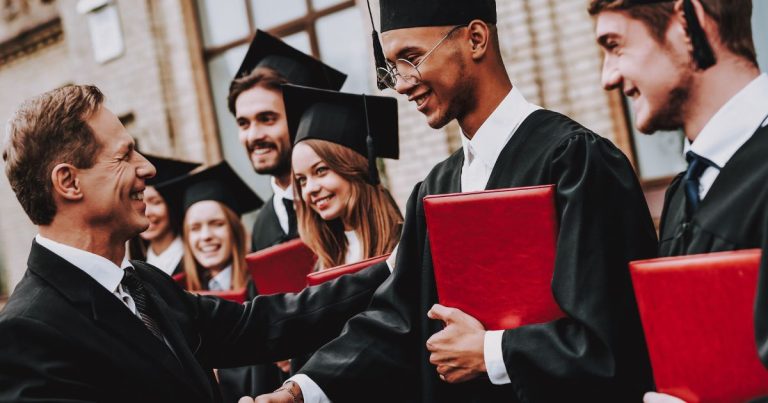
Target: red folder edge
(495, 305)
(231, 295)
(697, 314)
(333, 273)
(281, 268)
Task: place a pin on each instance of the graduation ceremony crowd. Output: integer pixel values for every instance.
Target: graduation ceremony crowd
(113, 304)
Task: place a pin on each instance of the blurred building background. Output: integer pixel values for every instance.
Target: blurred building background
(165, 67)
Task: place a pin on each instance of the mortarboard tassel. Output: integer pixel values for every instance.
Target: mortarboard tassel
(373, 171)
(702, 51)
(378, 51)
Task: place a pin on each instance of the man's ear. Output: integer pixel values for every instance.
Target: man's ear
(704, 20)
(65, 182)
(479, 38)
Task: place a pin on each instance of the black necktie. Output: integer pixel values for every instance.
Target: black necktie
(135, 287)
(696, 166)
(293, 231)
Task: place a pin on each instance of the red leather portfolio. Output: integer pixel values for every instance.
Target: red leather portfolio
(697, 315)
(232, 295)
(322, 276)
(281, 268)
(494, 254)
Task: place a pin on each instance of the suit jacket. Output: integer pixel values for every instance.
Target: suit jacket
(266, 229)
(63, 337)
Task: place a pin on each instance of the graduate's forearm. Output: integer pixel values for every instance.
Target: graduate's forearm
(378, 349)
(275, 327)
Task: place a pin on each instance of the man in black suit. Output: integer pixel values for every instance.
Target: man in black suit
(84, 324)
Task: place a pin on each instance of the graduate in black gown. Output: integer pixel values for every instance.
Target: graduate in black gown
(161, 245)
(717, 95)
(597, 352)
(256, 102)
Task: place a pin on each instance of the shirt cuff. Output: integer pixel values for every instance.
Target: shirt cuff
(494, 359)
(309, 389)
(392, 259)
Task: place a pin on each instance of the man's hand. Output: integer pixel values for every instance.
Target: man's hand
(290, 392)
(457, 350)
(652, 397)
(284, 365)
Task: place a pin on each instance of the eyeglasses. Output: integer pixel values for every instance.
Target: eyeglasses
(407, 70)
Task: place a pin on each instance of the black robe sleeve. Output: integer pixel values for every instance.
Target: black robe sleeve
(365, 343)
(604, 224)
(276, 327)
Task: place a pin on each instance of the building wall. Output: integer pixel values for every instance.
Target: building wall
(157, 84)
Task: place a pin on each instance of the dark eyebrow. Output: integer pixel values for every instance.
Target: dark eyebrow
(604, 38)
(404, 51)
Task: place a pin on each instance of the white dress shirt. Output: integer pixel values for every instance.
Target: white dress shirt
(277, 202)
(731, 127)
(221, 281)
(169, 258)
(97, 267)
(480, 155)
(354, 252)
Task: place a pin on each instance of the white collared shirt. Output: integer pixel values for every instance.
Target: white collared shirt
(482, 151)
(222, 281)
(277, 202)
(480, 155)
(731, 127)
(354, 252)
(169, 258)
(101, 269)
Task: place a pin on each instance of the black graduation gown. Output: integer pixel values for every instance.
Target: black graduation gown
(597, 353)
(257, 379)
(733, 214)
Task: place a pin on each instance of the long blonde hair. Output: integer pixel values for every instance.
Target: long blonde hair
(193, 270)
(371, 210)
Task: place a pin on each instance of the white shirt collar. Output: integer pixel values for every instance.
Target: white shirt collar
(277, 203)
(98, 267)
(734, 123)
(496, 131)
(281, 193)
(169, 259)
(221, 281)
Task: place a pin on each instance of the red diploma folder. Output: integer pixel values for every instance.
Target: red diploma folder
(494, 254)
(322, 276)
(281, 268)
(697, 315)
(231, 295)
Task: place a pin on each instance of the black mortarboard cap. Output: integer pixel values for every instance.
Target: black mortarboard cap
(218, 183)
(702, 50)
(293, 64)
(168, 169)
(364, 123)
(397, 14)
